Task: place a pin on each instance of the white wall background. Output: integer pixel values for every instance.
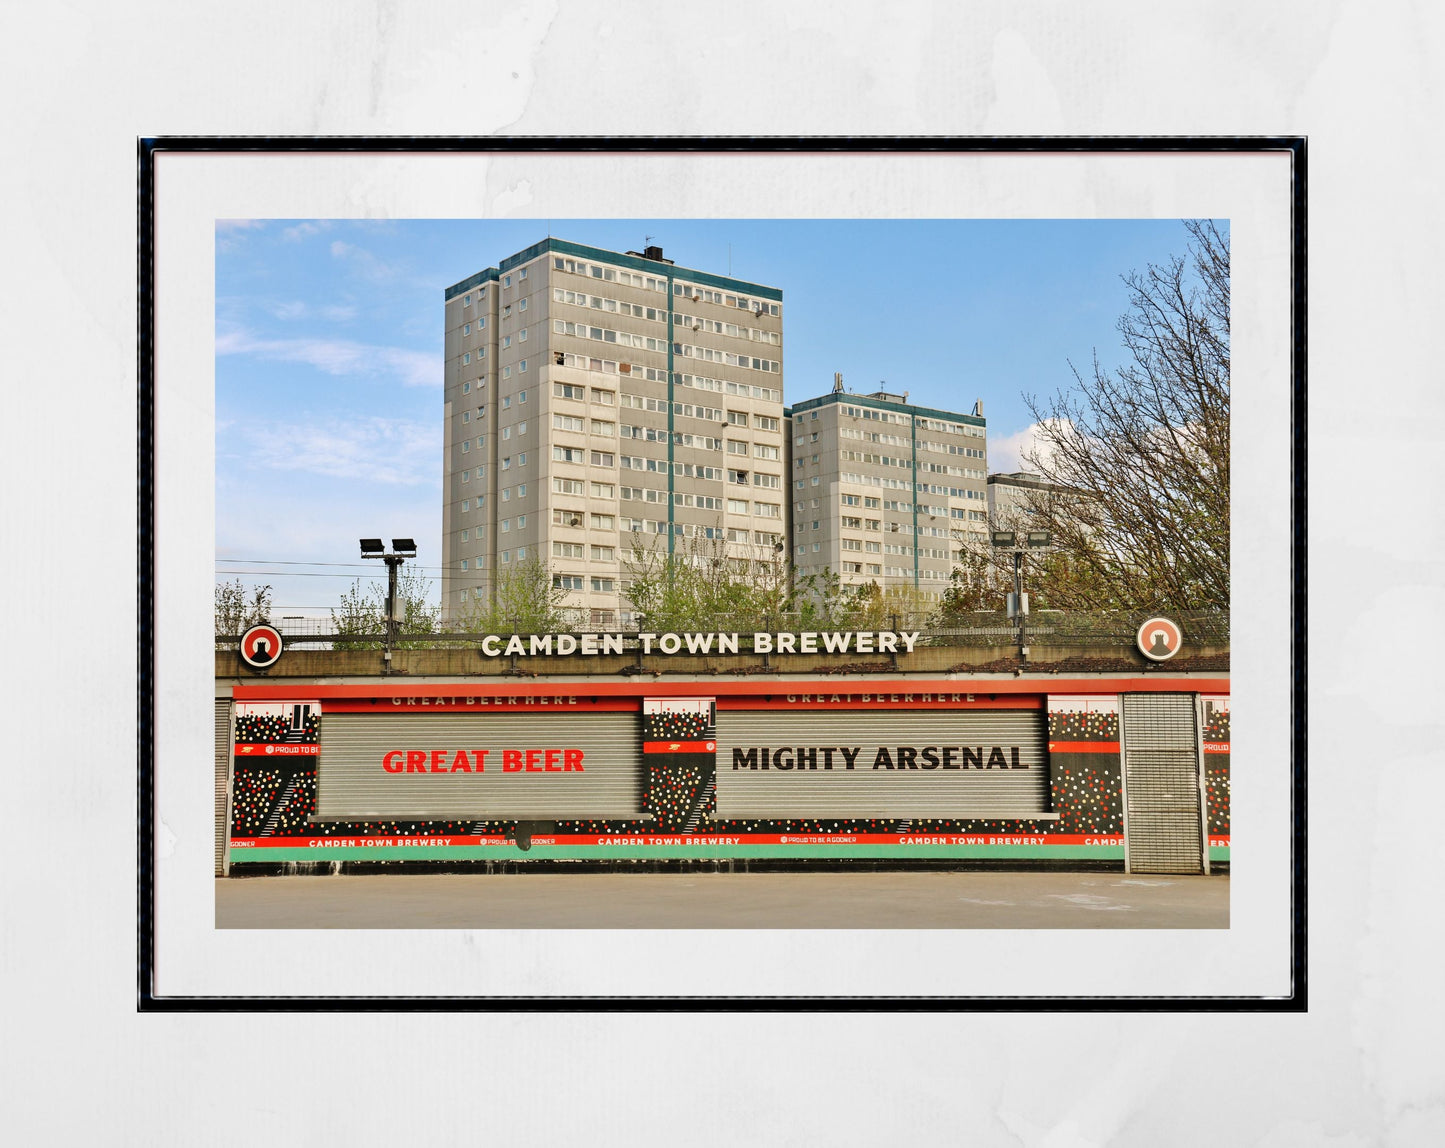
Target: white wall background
(78, 83)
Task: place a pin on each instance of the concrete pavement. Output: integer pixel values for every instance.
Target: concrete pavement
(809, 900)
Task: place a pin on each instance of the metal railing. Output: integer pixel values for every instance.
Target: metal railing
(1102, 629)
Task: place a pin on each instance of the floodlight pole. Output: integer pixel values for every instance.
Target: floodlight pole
(1019, 600)
(393, 625)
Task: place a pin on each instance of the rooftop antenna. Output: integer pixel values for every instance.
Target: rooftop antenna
(837, 382)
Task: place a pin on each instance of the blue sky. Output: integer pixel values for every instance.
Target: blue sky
(329, 349)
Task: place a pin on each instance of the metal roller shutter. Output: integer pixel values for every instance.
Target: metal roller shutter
(1161, 784)
(223, 775)
(868, 792)
(352, 785)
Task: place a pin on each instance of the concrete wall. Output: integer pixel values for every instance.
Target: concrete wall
(924, 660)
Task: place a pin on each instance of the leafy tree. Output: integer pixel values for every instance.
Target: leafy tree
(362, 612)
(1142, 455)
(701, 585)
(524, 600)
(237, 610)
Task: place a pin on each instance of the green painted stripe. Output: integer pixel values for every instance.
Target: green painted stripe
(645, 852)
(881, 405)
(618, 259)
(1219, 852)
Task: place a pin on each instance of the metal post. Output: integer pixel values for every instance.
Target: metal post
(392, 624)
(1019, 597)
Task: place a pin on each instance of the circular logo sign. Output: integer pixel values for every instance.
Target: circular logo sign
(1159, 639)
(261, 646)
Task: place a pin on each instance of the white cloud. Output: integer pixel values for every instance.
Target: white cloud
(389, 451)
(1007, 454)
(305, 230)
(239, 224)
(338, 356)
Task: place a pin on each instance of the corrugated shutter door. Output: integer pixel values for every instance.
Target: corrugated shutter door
(1161, 783)
(865, 791)
(223, 771)
(352, 785)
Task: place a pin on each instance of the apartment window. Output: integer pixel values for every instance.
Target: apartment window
(603, 458)
(466, 388)
(506, 341)
(738, 418)
(464, 563)
(522, 489)
(522, 427)
(506, 433)
(522, 395)
(466, 476)
(506, 280)
(603, 585)
(735, 447)
(566, 518)
(522, 367)
(603, 522)
(465, 535)
(466, 358)
(568, 391)
(567, 486)
(817, 523)
(567, 581)
(522, 459)
(466, 446)
(522, 274)
(466, 301)
(506, 555)
(815, 480)
(566, 422)
(737, 505)
(606, 398)
(567, 454)
(851, 544)
(466, 416)
(507, 463)
(764, 422)
(521, 521)
(817, 546)
(603, 490)
(768, 510)
(506, 526)
(604, 554)
(521, 554)
(482, 323)
(567, 550)
(602, 427)
(852, 523)
(466, 505)
(522, 306)
(770, 452)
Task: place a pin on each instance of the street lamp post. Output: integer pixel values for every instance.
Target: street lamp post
(401, 549)
(1018, 601)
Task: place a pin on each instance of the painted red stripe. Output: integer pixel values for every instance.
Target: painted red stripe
(593, 688)
(887, 701)
(490, 705)
(679, 746)
(652, 837)
(1084, 747)
(263, 749)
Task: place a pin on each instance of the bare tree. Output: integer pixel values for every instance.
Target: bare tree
(1140, 458)
(236, 612)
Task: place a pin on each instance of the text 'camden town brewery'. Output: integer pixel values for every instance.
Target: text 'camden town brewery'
(806, 642)
(899, 757)
(475, 761)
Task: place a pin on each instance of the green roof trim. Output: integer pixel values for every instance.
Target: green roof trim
(631, 262)
(882, 405)
(487, 276)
